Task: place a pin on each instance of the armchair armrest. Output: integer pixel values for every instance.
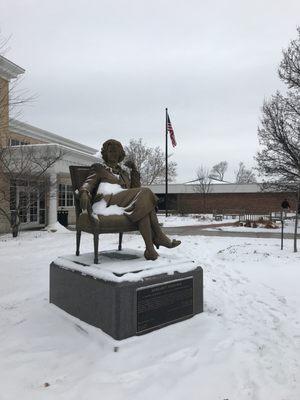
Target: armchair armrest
(88, 211)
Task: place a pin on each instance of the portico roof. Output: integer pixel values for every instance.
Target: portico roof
(48, 137)
(9, 70)
(69, 156)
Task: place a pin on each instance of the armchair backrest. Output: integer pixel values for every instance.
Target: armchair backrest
(78, 175)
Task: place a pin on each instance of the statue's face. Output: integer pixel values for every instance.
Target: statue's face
(113, 154)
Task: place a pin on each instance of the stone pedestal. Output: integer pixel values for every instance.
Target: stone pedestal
(126, 295)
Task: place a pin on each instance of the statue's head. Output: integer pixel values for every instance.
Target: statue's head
(112, 151)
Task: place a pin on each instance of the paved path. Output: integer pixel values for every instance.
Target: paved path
(200, 230)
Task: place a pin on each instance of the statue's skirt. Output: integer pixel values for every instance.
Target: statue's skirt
(137, 202)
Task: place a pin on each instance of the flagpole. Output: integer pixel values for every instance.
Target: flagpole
(166, 196)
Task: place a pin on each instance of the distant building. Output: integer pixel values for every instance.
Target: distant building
(15, 134)
(221, 198)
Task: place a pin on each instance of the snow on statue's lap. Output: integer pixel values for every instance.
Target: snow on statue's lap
(100, 207)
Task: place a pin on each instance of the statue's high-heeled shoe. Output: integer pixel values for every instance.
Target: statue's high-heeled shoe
(150, 255)
(166, 242)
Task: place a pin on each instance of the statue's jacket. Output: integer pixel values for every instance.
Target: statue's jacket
(137, 201)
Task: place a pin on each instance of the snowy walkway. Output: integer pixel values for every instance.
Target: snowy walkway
(246, 345)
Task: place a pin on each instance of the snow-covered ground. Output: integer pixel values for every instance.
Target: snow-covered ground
(246, 344)
(288, 227)
(207, 219)
(190, 219)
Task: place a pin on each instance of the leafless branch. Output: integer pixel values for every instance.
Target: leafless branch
(150, 161)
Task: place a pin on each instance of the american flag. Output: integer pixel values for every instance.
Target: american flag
(171, 131)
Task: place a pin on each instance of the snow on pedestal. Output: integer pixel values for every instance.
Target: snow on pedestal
(128, 265)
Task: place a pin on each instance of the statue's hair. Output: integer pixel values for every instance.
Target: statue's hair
(115, 143)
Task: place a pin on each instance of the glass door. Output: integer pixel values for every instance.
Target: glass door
(28, 202)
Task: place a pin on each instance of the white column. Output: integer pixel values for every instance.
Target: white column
(52, 216)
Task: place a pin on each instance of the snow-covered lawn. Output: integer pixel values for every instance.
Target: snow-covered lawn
(246, 344)
(288, 227)
(190, 219)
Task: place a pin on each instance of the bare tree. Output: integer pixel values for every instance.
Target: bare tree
(24, 167)
(244, 175)
(203, 184)
(150, 161)
(4, 43)
(20, 166)
(279, 134)
(15, 96)
(218, 170)
(289, 69)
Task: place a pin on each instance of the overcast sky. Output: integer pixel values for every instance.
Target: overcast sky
(107, 69)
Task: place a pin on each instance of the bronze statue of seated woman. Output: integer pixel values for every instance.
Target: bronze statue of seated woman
(110, 190)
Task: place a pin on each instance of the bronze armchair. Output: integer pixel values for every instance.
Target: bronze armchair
(87, 222)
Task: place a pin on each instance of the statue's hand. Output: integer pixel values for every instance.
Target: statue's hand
(84, 200)
(130, 164)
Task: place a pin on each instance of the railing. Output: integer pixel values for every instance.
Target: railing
(219, 215)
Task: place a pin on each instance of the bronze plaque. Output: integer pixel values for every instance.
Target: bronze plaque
(164, 303)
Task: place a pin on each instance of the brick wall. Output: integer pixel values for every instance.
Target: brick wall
(4, 188)
(234, 202)
(3, 106)
(4, 224)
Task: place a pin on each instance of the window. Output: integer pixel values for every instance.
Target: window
(15, 142)
(28, 200)
(65, 196)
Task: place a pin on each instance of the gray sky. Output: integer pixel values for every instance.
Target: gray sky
(107, 69)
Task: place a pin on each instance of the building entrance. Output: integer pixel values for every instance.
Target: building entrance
(28, 202)
(31, 205)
